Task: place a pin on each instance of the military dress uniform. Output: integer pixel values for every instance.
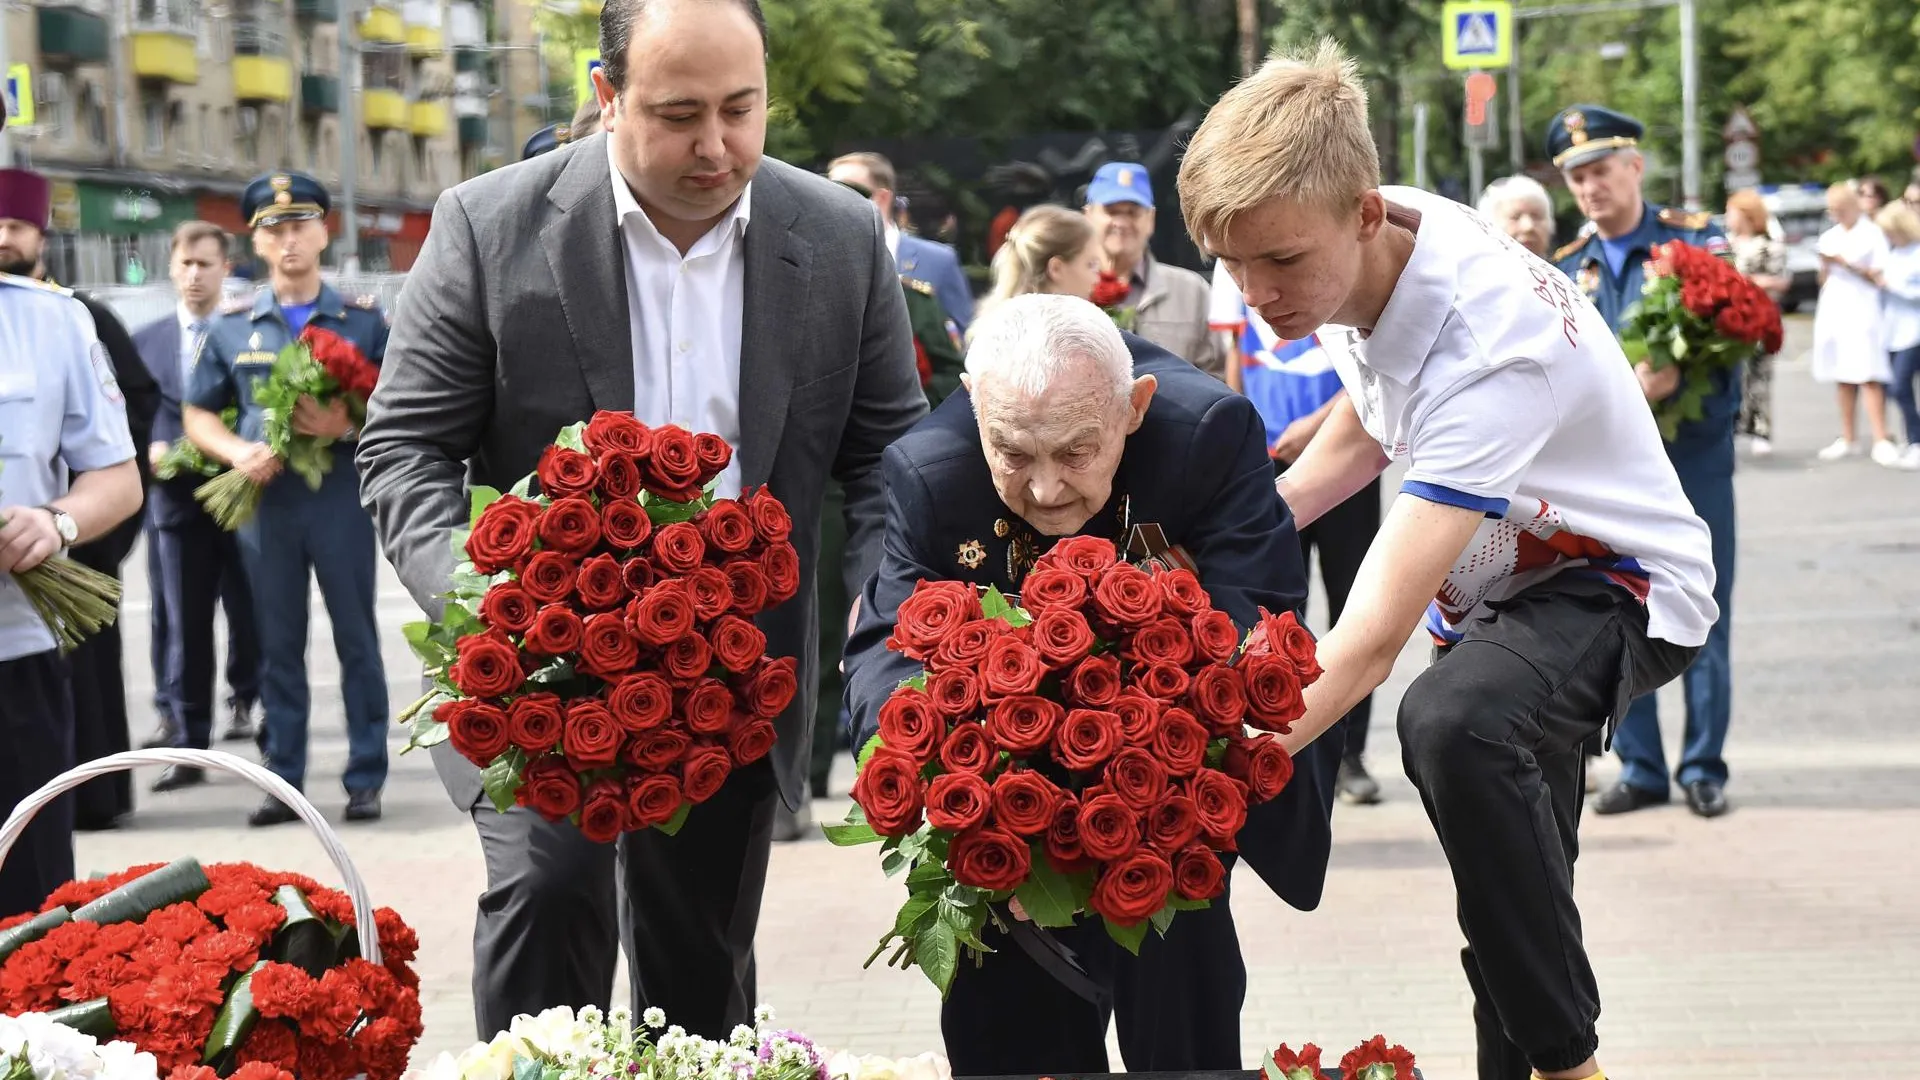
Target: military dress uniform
(298, 530)
(1701, 452)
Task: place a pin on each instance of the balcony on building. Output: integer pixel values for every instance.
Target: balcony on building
(383, 24)
(426, 30)
(319, 11)
(262, 70)
(163, 45)
(73, 35)
(384, 109)
(428, 119)
(319, 94)
(466, 26)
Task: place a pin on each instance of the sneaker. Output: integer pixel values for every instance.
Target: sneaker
(1355, 785)
(1761, 447)
(1836, 450)
(1910, 457)
(1885, 453)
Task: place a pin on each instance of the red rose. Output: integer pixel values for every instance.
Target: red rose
(556, 631)
(1024, 724)
(770, 688)
(1215, 636)
(749, 584)
(737, 644)
(654, 750)
(475, 728)
(991, 859)
(703, 771)
(1109, 290)
(625, 525)
(955, 693)
(1024, 802)
(1221, 802)
(1062, 636)
(507, 606)
(1139, 716)
(1109, 828)
(1162, 641)
(618, 431)
(534, 723)
(1181, 592)
(565, 473)
(1136, 776)
(1294, 642)
(712, 593)
(889, 791)
(638, 574)
(503, 535)
(750, 740)
(911, 724)
(1127, 597)
(1180, 743)
(1133, 889)
(604, 814)
(1220, 698)
(725, 526)
(487, 666)
(1063, 839)
(549, 787)
(1053, 590)
(599, 584)
(607, 650)
(653, 799)
(1273, 692)
(687, 658)
(661, 614)
(708, 707)
(548, 577)
(967, 645)
(935, 610)
(673, 471)
(619, 475)
(1198, 875)
(713, 454)
(957, 801)
(592, 738)
(770, 518)
(1086, 739)
(1167, 682)
(1172, 824)
(781, 564)
(1088, 556)
(1262, 764)
(1012, 668)
(678, 548)
(1095, 682)
(641, 701)
(968, 749)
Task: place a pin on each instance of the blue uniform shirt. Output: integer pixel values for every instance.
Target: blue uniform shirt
(1587, 262)
(248, 335)
(60, 412)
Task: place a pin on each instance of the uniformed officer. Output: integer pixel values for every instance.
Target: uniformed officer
(298, 530)
(554, 136)
(61, 415)
(1597, 151)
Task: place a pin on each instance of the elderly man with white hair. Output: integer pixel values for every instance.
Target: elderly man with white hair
(1064, 427)
(1523, 210)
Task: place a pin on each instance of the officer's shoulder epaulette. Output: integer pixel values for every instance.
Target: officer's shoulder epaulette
(234, 305)
(34, 283)
(365, 302)
(916, 285)
(1674, 217)
(1572, 246)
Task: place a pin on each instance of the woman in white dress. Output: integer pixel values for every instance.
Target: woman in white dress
(1849, 340)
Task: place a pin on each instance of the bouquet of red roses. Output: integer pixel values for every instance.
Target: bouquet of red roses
(598, 657)
(218, 971)
(1371, 1060)
(1701, 315)
(1110, 295)
(1083, 750)
(322, 365)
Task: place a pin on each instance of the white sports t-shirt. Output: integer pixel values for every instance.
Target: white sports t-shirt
(1506, 392)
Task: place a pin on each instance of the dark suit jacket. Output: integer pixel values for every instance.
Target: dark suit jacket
(1198, 467)
(142, 394)
(169, 502)
(514, 324)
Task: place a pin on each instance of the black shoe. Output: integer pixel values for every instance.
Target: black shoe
(179, 776)
(240, 727)
(1355, 785)
(165, 737)
(1624, 798)
(1706, 798)
(271, 812)
(792, 825)
(363, 805)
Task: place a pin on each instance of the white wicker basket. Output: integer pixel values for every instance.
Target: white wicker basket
(356, 889)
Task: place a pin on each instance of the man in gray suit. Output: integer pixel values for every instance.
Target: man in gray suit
(621, 272)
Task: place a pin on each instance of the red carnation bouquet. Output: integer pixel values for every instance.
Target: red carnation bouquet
(598, 657)
(1371, 1060)
(1084, 749)
(222, 971)
(1697, 313)
(319, 364)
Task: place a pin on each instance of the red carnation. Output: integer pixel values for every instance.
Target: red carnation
(1304, 1065)
(1375, 1060)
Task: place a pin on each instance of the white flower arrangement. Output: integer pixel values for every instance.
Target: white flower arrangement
(846, 1066)
(561, 1044)
(34, 1047)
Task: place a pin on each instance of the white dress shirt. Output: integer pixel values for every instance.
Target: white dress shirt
(893, 240)
(685, 315)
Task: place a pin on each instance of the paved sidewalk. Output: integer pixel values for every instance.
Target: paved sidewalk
(1783, 934)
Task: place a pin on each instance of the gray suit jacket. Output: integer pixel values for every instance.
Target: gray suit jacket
(513, 324)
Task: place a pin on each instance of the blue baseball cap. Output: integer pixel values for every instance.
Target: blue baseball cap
(1121, 181)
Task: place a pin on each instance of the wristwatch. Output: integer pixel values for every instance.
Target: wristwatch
(64, 525)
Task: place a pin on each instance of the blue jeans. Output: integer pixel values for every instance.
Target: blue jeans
(1906, 368)
(327, 533)
(1709, 681)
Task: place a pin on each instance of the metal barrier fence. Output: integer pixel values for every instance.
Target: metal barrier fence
(138, 305)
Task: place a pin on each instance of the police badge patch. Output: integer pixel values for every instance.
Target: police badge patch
(103, 371)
